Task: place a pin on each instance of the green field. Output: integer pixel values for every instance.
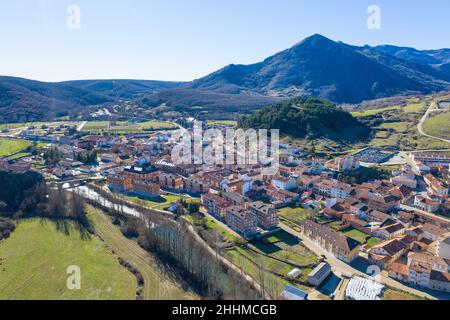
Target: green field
(438, 125)
(415, 108)
(162, 203)
(296, 215)
(124, 127)
(357, 235)
(37, 124)
(96, 126)
(373, 112)
(223, 122)
(35, 259)
(10, 146)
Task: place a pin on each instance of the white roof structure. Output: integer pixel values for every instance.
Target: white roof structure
(364, 289)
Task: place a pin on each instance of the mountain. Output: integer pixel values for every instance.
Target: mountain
(29, 100)
(317, 66)
(124, 89)
(327, 69)
(189, 100)
(23, 100)
(438, 59)
(307, 117)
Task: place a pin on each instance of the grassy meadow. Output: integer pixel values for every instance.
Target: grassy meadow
(34, 262)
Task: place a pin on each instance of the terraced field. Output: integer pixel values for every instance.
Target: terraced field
(157, 284)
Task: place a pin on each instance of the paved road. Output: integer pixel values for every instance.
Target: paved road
(81, 126)
(431, 109)
(340, 267)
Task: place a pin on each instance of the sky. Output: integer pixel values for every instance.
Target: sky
(184, 40)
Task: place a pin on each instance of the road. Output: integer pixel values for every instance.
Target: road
(432, 109)
(340, 267)
(81, 126)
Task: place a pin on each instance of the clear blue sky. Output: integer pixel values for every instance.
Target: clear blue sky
(187, 39)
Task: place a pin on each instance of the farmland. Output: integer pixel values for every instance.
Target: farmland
(124, 127)
(273, 258)
(11, 146)
(36, 257)
(438, 125)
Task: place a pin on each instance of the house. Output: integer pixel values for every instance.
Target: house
(169, 181)
(443, 248)
(433, 232)
(283, 183)
(282, 198)
(319, 274)
(333, 189)
(399, 271)
(347, 164)
(355, 222)
(384, 254)
(377, 216)
(426, 204)
(426, 270)
(415, 232)
(234, 198)
(382, 202)
(146, 189)
(268, 216)
(436, 186)
(292, 293)
(341, 246)
(403, 181)
(390, 231)
(123, 183)
(439, 281)
(241, 220)
(195, 185)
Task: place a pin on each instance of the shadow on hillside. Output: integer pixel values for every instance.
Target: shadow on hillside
(67, 227)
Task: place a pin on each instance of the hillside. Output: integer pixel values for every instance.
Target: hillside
(307, 118)
(199, 102)
(124, 89)
(327, 69)
(23, 100)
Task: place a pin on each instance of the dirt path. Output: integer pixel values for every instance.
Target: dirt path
(157, 285)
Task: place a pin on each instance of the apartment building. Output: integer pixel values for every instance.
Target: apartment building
(215, 205)
(241, 220)
(268, 216)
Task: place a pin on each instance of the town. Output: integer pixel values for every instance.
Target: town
(323, 231)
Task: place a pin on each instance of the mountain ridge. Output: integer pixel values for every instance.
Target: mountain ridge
(316, 66)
